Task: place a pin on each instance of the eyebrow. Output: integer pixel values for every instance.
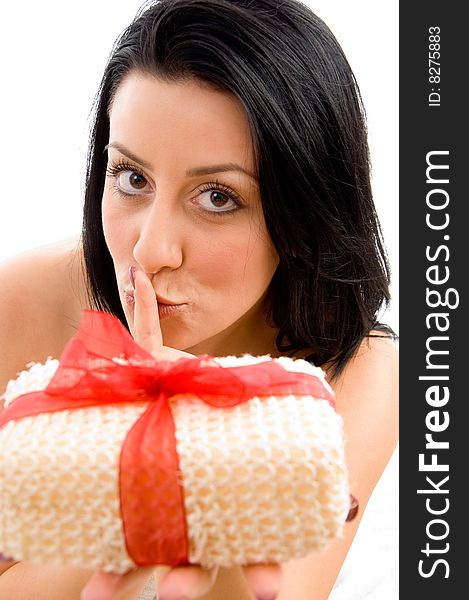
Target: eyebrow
(224, 168)
(126, 152)
(195, 172)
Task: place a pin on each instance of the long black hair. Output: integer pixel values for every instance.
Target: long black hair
(309, 134)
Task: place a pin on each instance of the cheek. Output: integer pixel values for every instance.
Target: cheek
(243, 264)
(116, 236)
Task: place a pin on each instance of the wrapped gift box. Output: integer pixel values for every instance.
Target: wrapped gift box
(111, 459)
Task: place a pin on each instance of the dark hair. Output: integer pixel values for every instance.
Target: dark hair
(309, 134)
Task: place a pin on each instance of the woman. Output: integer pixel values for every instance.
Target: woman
(228, 209)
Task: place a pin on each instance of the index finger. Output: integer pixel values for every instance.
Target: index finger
(147, 329)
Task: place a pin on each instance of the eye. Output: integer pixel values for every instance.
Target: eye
(216, 198)
(128, 180)
(131, 182)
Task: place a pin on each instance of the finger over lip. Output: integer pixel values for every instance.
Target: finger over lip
(144, 290)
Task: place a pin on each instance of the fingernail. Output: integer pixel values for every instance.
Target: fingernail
(353, 510)
(132, 271)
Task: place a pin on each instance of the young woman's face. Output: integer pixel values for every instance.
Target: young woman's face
(181, 203)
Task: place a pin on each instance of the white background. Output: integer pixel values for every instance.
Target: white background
(53, 54)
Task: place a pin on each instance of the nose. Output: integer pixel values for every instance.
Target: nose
(159, 243)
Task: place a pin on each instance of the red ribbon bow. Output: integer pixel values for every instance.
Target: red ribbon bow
(151, 497)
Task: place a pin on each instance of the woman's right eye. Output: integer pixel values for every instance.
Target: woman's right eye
(131, 182)
(128, 180)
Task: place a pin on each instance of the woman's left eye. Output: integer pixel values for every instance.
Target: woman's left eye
(218, 201)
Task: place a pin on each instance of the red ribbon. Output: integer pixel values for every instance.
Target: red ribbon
(151, 496)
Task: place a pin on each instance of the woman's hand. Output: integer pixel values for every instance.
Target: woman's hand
(146, 326)
(181, 582)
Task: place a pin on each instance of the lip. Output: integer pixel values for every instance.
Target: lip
(166, 310)
(165, 307)
(166, 302)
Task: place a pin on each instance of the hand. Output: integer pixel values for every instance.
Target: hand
(179, 583)
(146, 326)
(189, 582)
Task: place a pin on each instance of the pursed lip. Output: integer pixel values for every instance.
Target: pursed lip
(130, 297)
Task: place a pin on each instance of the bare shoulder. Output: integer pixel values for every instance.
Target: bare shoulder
(374, 365)
(43, 292)
(367, 396)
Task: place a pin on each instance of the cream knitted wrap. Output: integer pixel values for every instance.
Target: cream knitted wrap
(264, 481)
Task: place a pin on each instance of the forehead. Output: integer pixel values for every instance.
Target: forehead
(186, 118)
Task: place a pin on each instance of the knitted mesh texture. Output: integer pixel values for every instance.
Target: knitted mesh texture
(264, 481)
